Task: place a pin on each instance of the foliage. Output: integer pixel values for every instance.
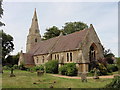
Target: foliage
(22, 67)
(12, 59)
(15, 67)
(35, 68)
(112, 67)
(63, 70)
(51, 32)
(118, 64)
(1, 13)
(71, 27)
(7, 44)
(108, 56)
(103, 70)
(115, 83)
(71, 69)
(51, 66)
(68, 69)
(6, 68)
(68, 28)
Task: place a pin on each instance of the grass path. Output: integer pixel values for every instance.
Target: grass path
(25, 79)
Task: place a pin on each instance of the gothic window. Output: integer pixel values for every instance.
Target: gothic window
(58, 56)
(71, 57)
(55, 56)
(36, 40)
(67, 57)
(43, 59)
(37, 60)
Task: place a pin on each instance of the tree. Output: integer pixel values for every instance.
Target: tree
(1, 13)
(12, 59)
(7, 44)
(109, 56)
(51, 32)
(71, 27)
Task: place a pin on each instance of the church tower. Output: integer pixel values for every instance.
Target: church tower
(34, 36)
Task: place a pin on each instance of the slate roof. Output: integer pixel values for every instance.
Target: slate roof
(59, 43)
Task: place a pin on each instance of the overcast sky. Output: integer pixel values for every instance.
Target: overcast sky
(103, 16)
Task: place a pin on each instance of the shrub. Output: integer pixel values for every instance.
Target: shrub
(63, 70)
(102, 69)
(71, 69)
(22, 67)
(6, 68)
(115, 83)
(51, 66)
(68, 69)
(112, 67)
(15, 67)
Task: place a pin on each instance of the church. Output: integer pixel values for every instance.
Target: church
(80, 47)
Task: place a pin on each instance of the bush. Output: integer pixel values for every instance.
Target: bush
(22, 67)
(51, 66)
(112, 67)
(115, 83)
(63, 70)
(103, 70)
(15, 67)
(6, 68)
(71, 69)
(68, 69)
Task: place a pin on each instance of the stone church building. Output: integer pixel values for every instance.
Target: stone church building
(81, 47)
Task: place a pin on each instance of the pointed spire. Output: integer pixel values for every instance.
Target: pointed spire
(34, 25)
(35, 14)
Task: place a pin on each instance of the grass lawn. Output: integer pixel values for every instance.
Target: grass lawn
(25, 79)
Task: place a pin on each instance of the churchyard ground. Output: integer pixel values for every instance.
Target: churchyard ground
(25, 79)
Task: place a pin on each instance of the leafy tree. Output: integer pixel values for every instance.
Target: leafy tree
(51, 32)
(71, 27)
(108, 56)
(7, 44)
(68, 28)
(1, 13)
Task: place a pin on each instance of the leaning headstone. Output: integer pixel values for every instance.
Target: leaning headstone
(40, 73)
(84, 77)
(11, 74)
(95, 74)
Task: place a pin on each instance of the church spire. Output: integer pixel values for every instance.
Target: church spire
(34, 36)
(34, 26)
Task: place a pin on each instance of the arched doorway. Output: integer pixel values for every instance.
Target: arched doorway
(92, 56)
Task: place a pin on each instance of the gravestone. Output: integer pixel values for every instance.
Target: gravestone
(84, 77)
(95, 74)
(11, 74)
(40, 73)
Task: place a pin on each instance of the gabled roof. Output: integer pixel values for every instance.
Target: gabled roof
(59, 43)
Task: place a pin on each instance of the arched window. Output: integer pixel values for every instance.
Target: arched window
(67, 57)
(55, 56)
(36, 40)
(58, 56)
(42, 59)
(71, 57)
(37, 60)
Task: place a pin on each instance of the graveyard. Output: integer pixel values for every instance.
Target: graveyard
(26, 79)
